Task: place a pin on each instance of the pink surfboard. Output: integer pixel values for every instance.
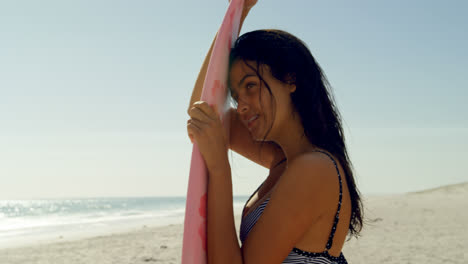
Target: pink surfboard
(194, 247)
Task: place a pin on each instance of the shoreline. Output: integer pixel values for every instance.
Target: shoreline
(419, 227)
(139, 245)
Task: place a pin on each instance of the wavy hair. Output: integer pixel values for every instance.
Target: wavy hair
(290, 61)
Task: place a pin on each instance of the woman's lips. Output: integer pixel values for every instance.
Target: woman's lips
(250, 124)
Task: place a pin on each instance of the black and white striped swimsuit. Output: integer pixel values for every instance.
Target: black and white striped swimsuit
(297, 256)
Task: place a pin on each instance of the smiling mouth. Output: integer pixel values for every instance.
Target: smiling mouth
(253, 119)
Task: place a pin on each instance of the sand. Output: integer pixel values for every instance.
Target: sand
(422, 227)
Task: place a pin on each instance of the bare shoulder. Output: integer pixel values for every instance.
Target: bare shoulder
(313, 172)
(315, 164)
(328, 165)
(305, 192)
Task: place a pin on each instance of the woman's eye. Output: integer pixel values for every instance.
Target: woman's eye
(250, 85)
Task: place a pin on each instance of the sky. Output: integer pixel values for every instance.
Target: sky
(94, 94)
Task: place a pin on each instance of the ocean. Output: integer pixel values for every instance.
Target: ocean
(25, 222)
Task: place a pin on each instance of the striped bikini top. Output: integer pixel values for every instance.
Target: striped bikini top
(296, 255)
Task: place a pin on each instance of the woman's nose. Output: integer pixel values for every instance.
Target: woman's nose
(242, 106)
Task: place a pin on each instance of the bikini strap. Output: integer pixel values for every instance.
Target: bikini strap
(253, 194)
(263, 182)
(277, 164)
(337, 215)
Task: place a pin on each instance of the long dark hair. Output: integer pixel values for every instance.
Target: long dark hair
(290, 61)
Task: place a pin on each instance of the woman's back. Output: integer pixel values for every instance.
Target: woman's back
(310, 247)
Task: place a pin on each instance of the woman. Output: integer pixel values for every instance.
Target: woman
(285, 121)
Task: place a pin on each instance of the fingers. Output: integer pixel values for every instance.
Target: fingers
(202, 115)
(204, 106)
(193, 128)
(197, 114)
(248, 4)
(202, 111)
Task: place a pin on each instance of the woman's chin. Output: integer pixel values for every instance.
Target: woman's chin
(257, 139)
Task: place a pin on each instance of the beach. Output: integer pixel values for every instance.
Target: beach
(421, 227)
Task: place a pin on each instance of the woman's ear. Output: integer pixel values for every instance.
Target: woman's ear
(292, 87)
(291, 81)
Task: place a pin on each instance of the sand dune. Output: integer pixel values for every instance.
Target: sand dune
(458, 188)
(429, 226)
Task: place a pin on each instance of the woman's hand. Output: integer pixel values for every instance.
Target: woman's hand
(248, 4)
(206, 129)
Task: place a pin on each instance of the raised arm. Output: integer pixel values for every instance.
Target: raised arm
(267, 154)
(197, 89)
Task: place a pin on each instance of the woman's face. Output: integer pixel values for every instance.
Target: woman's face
(254, 100)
